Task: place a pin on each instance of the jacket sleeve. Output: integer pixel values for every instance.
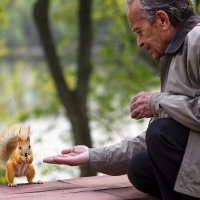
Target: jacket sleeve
(181, 108)
(113, 160)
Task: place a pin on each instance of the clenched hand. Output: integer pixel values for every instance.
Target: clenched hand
(140, 105)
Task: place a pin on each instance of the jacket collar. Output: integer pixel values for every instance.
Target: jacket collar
(179, 38)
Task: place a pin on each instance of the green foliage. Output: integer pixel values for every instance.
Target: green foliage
(121, 72)
(29, 91)
(26, 92)
(197, 5)
(64, 24)
(3, 14)
(20, 29)
(4, 25)
(3, 52)
(2, 177)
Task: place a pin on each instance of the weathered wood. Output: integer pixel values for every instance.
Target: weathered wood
(94, 188)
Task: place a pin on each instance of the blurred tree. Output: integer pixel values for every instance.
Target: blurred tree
(74, 101)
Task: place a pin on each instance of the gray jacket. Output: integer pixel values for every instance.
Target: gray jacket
(179, 99)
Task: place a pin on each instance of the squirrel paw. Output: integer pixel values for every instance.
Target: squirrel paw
(12, 185)
(36, 182)
(39, 182)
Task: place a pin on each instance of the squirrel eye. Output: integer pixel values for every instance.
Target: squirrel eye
(20, 148)
(29, 146)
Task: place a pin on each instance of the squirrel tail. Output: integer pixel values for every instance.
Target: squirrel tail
(8, 142)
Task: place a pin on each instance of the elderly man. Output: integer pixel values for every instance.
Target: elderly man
(164, 161)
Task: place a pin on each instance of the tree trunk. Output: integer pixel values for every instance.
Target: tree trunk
(74, 101)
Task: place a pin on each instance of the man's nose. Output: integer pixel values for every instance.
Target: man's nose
(139, 42)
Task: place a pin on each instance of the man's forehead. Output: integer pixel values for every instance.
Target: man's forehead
(136, 21)
(135, 13)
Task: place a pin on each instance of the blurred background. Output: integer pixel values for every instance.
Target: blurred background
(68, 69)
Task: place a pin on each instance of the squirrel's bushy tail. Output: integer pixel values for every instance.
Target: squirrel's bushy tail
(8, 142)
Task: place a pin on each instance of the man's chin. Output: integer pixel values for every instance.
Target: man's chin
(156, 56)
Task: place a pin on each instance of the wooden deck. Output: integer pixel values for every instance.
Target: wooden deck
(87, 188)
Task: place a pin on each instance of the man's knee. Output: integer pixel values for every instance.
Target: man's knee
(166, 130)
(136, 171)
(141, 175)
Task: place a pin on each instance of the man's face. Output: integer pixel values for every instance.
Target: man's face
(150, 36)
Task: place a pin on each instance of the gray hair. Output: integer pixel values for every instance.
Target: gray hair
(177, 10)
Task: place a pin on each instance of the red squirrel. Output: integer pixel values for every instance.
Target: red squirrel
(16, 154)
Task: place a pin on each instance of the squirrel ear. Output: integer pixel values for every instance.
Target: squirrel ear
(19, 131)
(28, 130)
(28, 137)
(19, 138)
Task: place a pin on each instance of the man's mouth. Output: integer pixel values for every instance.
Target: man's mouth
(148, 49)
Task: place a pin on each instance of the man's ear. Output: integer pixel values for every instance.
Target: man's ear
(163, 19)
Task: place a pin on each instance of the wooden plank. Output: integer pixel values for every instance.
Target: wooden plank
(129, 193)
(62, 194)
(95, 195)
(95, 188)
(51, 187)
(85, 195)
(98, 181)
(31, 188)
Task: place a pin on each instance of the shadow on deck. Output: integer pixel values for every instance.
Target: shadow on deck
(86, 188)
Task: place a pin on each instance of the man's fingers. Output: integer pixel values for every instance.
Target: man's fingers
(68, 150)
(135, 113)
(77, 155)
(133, 107)
(139, 113)
(49, 160)
(58, 159)
(66, 159)
(134, 98)
(76, 149)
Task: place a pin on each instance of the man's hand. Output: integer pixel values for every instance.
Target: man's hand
(140, 105)
(77, 155)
